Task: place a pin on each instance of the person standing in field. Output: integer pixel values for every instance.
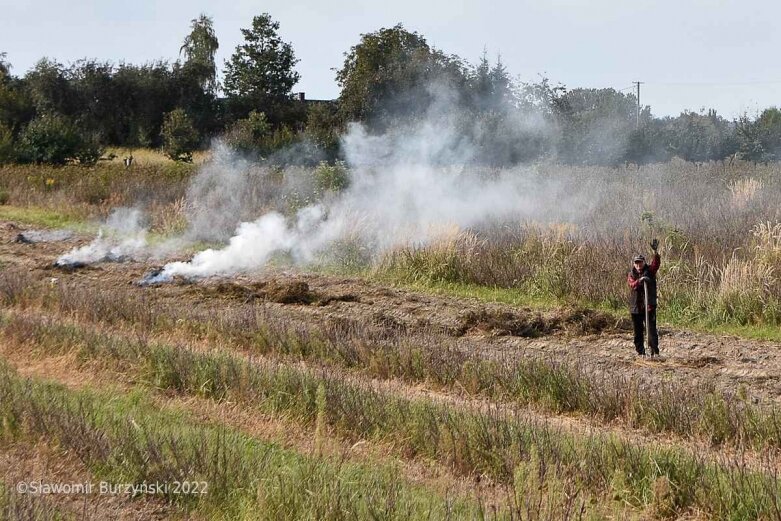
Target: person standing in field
(639, 274)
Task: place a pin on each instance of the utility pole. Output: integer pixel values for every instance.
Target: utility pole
(637, 120)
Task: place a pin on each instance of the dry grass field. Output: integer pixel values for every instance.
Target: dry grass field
(475, 377)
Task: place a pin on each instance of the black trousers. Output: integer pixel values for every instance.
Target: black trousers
(638, 321)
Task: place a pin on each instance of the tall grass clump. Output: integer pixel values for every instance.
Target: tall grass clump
(738, 288)
(717, 224)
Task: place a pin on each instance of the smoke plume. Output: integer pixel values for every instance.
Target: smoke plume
(406, 186)
(121, 238)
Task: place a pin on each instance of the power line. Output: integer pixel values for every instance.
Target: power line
(714, 84)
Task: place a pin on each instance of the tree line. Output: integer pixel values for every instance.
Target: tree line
(390, 78)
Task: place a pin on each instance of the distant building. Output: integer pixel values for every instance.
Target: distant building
(301, 96)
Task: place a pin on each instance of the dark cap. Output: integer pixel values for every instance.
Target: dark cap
(638, 257)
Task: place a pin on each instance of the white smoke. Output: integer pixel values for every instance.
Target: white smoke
(398, 194)
(45, 236)
(122, 237)
(251, 247)
(215, 194)
(229, 189)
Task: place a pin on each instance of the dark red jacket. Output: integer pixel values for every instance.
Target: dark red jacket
(637, 295)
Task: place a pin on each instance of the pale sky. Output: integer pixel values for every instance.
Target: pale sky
(692, 54)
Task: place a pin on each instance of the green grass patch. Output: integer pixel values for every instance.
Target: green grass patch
(754, 332)
(35, 216)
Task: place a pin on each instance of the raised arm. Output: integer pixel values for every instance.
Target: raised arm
(655, 263)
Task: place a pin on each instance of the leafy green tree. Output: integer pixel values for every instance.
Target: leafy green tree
(50, 88)
(505, 129)
(650, 143)
(595, 125)
(94, 97)
(501, 84)
(701, 137)
(540, 96)
(196, 79)
(260, 73)
(149, 92)
(760, 140)
(769, 124)
(199, 48)
(125, 105)
(389, 75)
(7, 152)
(16, 106)
(5, 67)
(323, 127)
(491, 87)
(751, 148)
(180, 138)
(49, 138)
(481, 85)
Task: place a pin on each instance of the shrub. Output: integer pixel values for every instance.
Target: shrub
(255, 136)
(49, 139)
(180, 138)
(7, 154)
(331, 177)
(281, 138)
(323, 128)
(90, 150)
(250, 134)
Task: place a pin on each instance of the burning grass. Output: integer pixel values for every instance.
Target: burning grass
(35, 236)
(718, 258)
(720, 229)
